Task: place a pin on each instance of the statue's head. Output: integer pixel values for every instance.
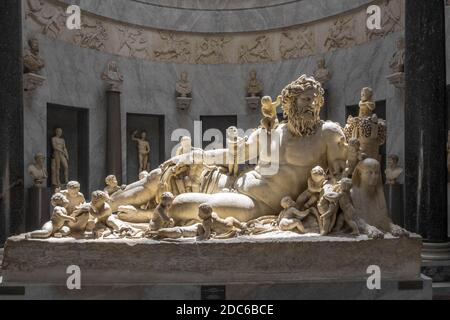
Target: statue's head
(318, 174)
(287, 202)
(366, 94)
(34, 44)
(59, 200)
(143, 134)
(58, 132)
(73, 187)
(99, 197)
(184, 76)
(166, 199)
(204, 211)
(39, 158)
(302, 100)
(392, 160)
(253, 74)
(367, 173)
(111, 180)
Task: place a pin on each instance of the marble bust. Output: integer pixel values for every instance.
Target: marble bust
(32, 63)
(38, 171)
(322, 74)
(183, 86)
(254, 87)
(112, 75)
(393, 171)
(397, 62)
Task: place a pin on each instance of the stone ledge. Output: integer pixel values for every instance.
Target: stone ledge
(240, 260)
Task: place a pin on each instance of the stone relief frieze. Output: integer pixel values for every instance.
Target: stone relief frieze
(316, 38)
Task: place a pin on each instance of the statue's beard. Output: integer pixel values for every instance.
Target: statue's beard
(298, 125)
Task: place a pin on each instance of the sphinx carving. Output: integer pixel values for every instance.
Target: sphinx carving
(195, 195)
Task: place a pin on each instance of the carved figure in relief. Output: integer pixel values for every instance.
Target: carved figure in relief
(214, 226)
(340, 34)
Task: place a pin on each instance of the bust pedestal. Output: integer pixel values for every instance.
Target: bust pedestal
(38, 211)
(394, 199)
(32, 81)
(253, 102)
(183, 103)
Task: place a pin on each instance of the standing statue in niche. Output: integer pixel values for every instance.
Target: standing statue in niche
(38, 171)
(183, 87)
(393, 170)
(60, 158)
(143, 150)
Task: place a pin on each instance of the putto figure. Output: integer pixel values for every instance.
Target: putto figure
(366, 105)
(269, 111)
(143, 149)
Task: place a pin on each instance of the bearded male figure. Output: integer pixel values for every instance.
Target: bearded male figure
(296, 147)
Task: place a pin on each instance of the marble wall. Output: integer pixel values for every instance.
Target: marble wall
(74, 76)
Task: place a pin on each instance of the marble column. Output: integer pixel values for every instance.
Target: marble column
(11, 120)
(425, 126)
(113, 135)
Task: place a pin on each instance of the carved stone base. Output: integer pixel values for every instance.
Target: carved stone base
(32, 81)
(183, 103)
(271, 258)
(253, 102)
(397, 79)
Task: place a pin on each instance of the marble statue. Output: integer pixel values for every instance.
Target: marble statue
(37, 171)
(32, 62)
(112, 76)
(143, 150)
(56, 226)
(60, 158)
(258, 191)
(161, 218)
(290, 218)
(397, 62)
(393, 170)
(311, 195)
(269, 111)
(346, 205)
(370, 204)
(322, 74)
(366, 105)
(142, 175)
(112, 185)
(354, 155)
(214, 226)
(73, 194)
(194, 193)
(183, 86)
(254, 87)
